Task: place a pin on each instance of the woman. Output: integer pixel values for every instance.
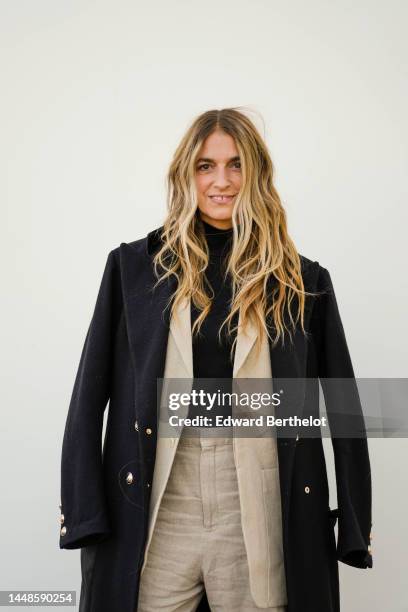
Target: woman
(218, 292)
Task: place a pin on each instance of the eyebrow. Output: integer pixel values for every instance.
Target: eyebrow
(209, 160)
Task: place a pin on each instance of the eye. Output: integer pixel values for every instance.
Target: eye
(239, 164)
(202, 166)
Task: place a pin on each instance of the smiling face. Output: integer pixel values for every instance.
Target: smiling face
(218, 179)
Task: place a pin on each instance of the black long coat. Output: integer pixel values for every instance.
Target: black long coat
(123, 355)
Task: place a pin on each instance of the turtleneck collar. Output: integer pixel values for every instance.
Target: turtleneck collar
(218, 240)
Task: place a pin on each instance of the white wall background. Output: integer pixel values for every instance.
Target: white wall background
(95, 97)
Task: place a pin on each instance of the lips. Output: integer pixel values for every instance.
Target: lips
(222, 199)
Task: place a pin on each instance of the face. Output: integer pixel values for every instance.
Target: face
(218, 179)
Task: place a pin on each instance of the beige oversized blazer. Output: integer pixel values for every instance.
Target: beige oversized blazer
(256, 461)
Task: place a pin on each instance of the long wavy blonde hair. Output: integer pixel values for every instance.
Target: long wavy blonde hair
(261, 247)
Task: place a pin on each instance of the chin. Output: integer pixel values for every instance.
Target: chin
(219, 215)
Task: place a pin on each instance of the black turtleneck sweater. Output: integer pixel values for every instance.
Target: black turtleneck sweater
(211, 358)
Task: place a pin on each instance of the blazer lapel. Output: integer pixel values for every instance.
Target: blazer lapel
(180, 328)
(244, 344)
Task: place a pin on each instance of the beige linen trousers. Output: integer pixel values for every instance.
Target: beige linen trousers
(255, 458)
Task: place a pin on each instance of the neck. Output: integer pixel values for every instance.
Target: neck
(218, 240)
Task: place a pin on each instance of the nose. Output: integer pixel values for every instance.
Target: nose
(221, 179)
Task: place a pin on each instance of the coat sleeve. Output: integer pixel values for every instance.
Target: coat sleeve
(344, 412)
(84, 513)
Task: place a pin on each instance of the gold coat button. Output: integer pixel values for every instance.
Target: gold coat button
(136, 425)
(129, 478)
(63, 530)
(148, 431)
(307, 489)
(62, 519)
